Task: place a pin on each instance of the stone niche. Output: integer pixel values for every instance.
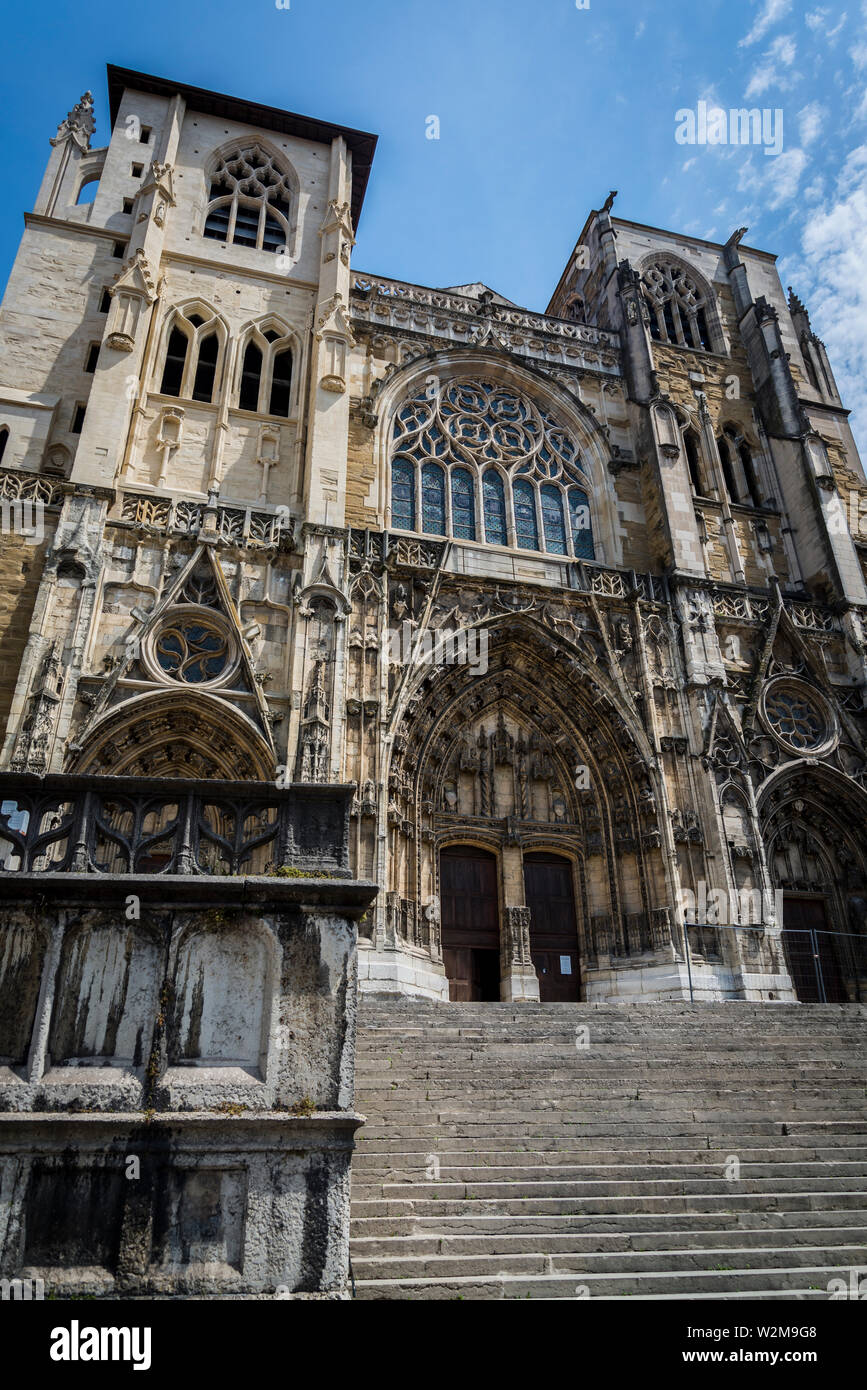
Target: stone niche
(176, 1090)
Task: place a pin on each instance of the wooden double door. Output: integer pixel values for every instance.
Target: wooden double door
(469, 896)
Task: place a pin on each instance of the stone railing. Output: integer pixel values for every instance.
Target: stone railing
(426, 552)
(106, 825)
(740, 606)
(416, 309)
(242, 526)
(19, 486)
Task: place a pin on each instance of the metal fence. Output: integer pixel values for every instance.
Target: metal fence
(826, 967)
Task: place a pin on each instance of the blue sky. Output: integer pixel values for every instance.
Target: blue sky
(543, 107)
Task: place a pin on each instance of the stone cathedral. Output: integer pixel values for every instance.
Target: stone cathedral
(533, 643)
(575, 600)
(364, 635)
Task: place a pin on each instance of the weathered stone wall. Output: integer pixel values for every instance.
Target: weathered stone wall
(176, 1089)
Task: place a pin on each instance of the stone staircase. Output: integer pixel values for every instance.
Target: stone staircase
(502, 1158)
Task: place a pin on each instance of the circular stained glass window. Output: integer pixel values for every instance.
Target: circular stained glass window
(797, 717)
(192, 652)
(192, 647)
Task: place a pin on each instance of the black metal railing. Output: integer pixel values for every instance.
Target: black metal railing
(118, 825)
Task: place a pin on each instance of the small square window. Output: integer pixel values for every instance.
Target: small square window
(78, 420)
(119, 250)
(92, 355)
(104, 302)
(145, 137)
(137, 171)
(128, 204)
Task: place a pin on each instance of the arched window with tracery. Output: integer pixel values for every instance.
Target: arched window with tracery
(4, 438)
(678, 310)
(193, 355)
(265, 382)
(510, 474)
(250, 201)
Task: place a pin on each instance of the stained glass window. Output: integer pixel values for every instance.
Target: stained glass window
(193, 652)
(463, 505)
(526, 528)
(485, 435)
(403, 495)
(433, 500)
(494, 498)
(579, 519)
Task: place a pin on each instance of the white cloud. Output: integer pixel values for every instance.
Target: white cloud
(831, 271)
(817, 20)
(769, 72)
(772, 12)
(775, 182)
(811, 119)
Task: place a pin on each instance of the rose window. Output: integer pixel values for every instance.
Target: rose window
(192, 647)
(797, 718)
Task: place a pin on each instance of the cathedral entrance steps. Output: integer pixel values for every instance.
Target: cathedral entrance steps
(499, 1160)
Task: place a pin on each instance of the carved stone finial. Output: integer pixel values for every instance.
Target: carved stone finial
(79, 121)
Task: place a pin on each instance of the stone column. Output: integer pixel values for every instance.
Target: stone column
(518, 979)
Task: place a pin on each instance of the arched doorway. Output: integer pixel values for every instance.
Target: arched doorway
(553, 930)
(812, 953)
(812, 821)
(470, 908)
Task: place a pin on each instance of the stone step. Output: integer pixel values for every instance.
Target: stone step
(793, 1282)
(614, 1265)
(535, 1205)
(378, 1153)
(615, 1243)
(630, 1225)
(486, 1188)
(546, 1174)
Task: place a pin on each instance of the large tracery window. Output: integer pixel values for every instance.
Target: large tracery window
(478, 461)
(250, 201)
(677, 310)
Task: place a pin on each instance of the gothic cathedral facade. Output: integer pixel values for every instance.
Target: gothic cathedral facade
(574, 601)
